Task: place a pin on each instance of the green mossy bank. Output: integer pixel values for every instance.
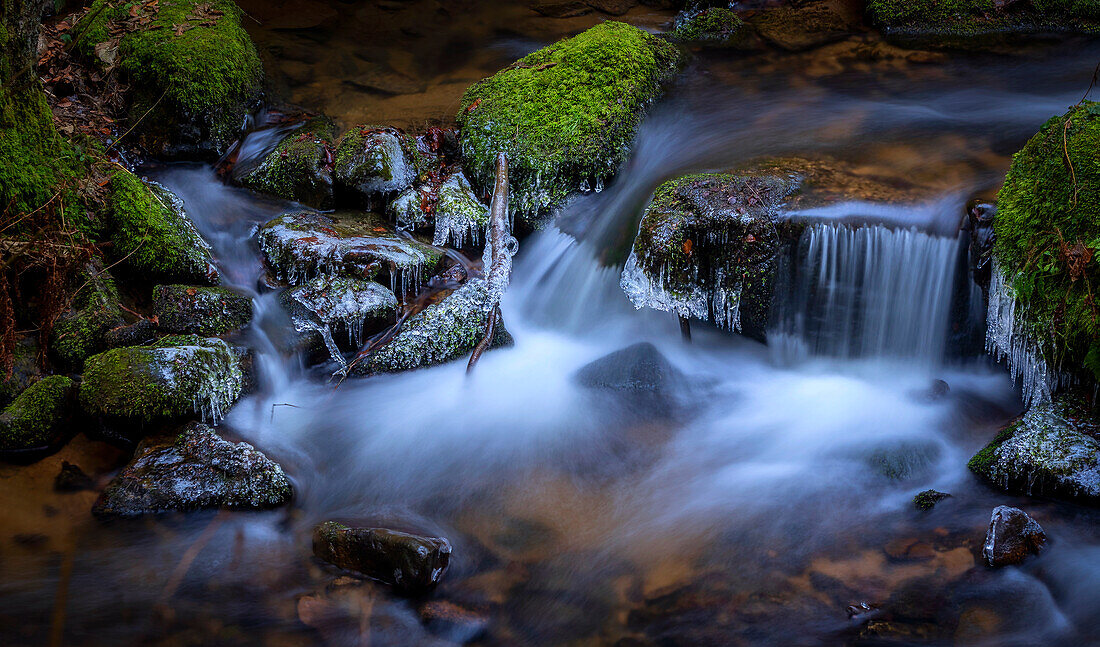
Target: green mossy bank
(565, 115)
(194, 70)
(1048, 232)
(961, 21)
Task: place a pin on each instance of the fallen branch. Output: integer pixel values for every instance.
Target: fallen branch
(498, 255)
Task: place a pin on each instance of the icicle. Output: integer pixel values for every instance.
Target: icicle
(1005, 340)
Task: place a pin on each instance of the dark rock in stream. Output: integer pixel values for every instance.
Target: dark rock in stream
(194, 469)
(711, 27)
(72, 479)
(1011, 537)
(639, 368)
(804, 25)
(412, 564)
(928, 499)
(200, 310)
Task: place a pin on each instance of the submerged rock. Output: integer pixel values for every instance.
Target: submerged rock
(200, 310)
(300, 167)
(194, 469)
(711, 27)
(193, 70)
(459, 216)
(82, 330)
(442, 332)
(375, 160)
(928, 499)
(177, 376)
(154, 235)
(932, 22)
(329, 306)
(412, 564)
(1052, 450)
(37, 418)
(804, 25)
(303, 245)
(639, 368)
(565, 115)
(903, 460)
(72, 479)
(1011, 537)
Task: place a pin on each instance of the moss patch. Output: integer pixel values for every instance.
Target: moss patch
(1048, 235)
(300, 166)
(36, 417)
(95, 310)
(976, 17)
(716, 27)
(565, 115)
(200, 310)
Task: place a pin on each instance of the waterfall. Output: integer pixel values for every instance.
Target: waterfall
(872, 291)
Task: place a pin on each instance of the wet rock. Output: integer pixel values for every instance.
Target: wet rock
(25, 369)
(374, 160)
(177, 376)
(909, 549)
(459, 216)
(639, 368)
(38, 417)
(560, 8)
(928, 499)
(334, 306)
(707, 248)
(802, 26)
(1011, 537)
(82, 330)
(711, 27)
(441, 333)
(612, 7)
(194, 469)
(300, 167)
(1051, 450)
(565, 115)
(72, 479)
(454, 622)
(936, 391)
(412, 564)
(139, 333)
(979, 225)
(200, 310)
(154, 236)
(303, 245)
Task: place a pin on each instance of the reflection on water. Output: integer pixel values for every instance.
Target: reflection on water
(753, 508)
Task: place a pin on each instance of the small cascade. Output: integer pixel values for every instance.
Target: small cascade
(1004, 339)
(861, 292)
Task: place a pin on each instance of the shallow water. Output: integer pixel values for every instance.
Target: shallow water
(752, 508)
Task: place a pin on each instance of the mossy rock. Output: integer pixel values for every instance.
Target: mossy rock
(301, 246)
(300, 167)
(441, 333)
(153, 235)
(1051, 450)
(1047, 236)
(177, 376)
(928, 499)
(375, 160)
(200, 310)
(337, 307)
(711, 27)
(82, 331)
(37, 417)
(25, 369)
(195, 74)
(969, 22)
(194, 469)
(565, 115)
(452, 207)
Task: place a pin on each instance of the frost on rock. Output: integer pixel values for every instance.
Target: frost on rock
(459, 217)
(375, 160)
(179, 375)
(440, 333)
(346, 305)
(304, 245)
(1051, 450)
(1006, 339)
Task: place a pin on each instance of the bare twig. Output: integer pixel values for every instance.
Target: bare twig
(497, 274)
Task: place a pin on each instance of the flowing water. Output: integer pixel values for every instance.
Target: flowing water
(772, 489)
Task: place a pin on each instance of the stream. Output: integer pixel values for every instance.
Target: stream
(748, 507)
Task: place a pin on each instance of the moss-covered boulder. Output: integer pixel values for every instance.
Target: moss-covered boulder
(82, 330)
(412, 564)
(200, 310)
(966, 22)
(153, 235)
(337, 307)
(459, 217)
(300, 167)
(565, 115)
(375, 160)
(1052, 450)
(711, 27)
(37, 418)
(194, 71)
(927, 499)
(1047, 235)
(442, 332)
(194, 469)
(302, 245)
(177, 376)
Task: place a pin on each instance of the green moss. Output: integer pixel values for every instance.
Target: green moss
(95, 310)
(982, 462)
(154, 235)
(36, 417)
(1044, 211)
(928, 499)
(204, 75)
(377, 159)
(200, 310)
(983, 16)
(565, 115)
(716, 26)
(298, 169)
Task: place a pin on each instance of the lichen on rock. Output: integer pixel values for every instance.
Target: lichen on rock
(36, 418)
(300, 167)
(565, 115)
(200, 310)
